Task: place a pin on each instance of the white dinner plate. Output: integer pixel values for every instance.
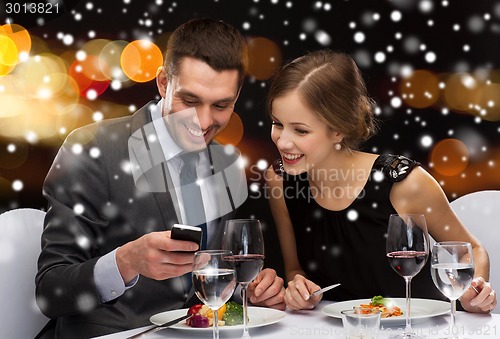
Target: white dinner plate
(257, 317)
(421, 309)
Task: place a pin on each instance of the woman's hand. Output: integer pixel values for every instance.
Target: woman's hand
(483, 302)
(298, 292)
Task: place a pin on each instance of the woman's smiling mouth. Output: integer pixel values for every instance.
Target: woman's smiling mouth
(291, 158)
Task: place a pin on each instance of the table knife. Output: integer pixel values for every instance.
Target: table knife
(160, 327)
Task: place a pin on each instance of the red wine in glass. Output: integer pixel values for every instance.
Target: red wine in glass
(243, 237)
(247, 266)
(407, 249)
(407, 263)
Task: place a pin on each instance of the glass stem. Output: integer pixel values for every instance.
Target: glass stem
(408, 329)
(245, 310)
(453, 313)
(216, 323)
(215, 317)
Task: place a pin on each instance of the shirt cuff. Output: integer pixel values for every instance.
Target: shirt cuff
(108, 279)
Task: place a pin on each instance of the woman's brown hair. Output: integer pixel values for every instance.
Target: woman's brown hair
(331, 85)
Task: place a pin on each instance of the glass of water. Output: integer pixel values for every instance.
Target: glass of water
(452, 270)
(214, 281)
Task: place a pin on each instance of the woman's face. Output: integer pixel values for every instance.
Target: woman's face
(303, 140)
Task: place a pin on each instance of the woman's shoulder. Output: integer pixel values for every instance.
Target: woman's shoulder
(395, 167)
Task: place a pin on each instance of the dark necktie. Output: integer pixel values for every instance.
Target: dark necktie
(191, 195)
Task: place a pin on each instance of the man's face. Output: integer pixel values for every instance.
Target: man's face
(198, 103)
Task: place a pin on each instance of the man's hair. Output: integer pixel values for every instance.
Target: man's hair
(214, 42)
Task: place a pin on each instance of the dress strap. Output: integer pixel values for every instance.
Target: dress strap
(395, 167)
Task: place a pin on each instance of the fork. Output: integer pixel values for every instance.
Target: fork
(322, 290)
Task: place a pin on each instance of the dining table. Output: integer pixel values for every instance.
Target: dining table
(316, 324)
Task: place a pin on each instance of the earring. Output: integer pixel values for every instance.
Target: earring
(338, 146)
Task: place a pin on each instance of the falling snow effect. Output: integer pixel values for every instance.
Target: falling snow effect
(78, 209)
(262, 165)
(83, 242)
(254, 187)
(85, 302)
(378, 176)
(17, 185)
(352, 215)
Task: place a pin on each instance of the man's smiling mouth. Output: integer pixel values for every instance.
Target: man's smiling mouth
(196, 132)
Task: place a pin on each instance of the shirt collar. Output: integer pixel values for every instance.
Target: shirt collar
(168, 145)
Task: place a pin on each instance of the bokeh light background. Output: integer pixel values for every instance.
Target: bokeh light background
(433, 68)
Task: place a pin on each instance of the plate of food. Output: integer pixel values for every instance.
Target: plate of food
(392, 309)
(230, 317)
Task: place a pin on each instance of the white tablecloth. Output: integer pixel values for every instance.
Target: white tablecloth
(314, 324)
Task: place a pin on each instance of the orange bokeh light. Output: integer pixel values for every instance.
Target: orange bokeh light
(95, 46)
(462, 92)
(479, 175)
(420, 89)
(14, 41)
(450, 157)
(8, 51)
(94, 68)
(264, 58)
(86, 74)
(4, 70)
(109, 57)
(233, 132)
(19, 36)
(140, 59)
(490, 101)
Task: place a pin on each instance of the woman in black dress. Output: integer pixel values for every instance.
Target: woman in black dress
(331, 202)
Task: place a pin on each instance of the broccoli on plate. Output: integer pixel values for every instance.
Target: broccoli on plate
(234, 314)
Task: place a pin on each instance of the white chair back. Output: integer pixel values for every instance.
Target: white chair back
(20, 232)
(480, 213)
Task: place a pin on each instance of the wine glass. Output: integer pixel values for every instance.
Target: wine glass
(452, 270)
(407, 250)
(243, 237)
(214, 281)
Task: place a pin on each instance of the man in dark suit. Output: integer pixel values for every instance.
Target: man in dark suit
(108, 262)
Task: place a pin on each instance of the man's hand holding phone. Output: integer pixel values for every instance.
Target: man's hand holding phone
(159, 255)
(187, 233)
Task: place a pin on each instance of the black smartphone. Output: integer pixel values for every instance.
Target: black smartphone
(186, 232)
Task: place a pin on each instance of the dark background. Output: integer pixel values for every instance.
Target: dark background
(293, 26)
